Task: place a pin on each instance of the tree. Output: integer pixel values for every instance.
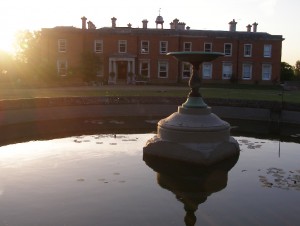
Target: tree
(6, 62)
(297, 70)
(28, 55)
(286, 72)
(89, 65)
(28, 46)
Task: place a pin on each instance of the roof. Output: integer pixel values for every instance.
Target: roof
(172, 32)
(191, 33)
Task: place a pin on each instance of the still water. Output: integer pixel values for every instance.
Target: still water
(93, 180)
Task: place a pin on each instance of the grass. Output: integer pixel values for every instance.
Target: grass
(229, 92)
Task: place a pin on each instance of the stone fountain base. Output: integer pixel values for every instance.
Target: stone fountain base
(193, 135)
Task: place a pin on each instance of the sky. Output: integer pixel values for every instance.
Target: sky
(276, 17)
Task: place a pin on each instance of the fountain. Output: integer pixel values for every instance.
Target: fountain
(193, 134)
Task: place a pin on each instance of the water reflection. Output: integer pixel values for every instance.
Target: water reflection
(100, 179)
(191, 184)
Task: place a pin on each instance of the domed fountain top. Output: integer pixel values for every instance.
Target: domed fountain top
(196, 57)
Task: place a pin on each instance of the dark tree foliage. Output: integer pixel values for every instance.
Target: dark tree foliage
(89, 65)
(29, 46)
(29, 57)
(297, 70)
(286, 72)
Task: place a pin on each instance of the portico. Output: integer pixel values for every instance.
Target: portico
(120, 66)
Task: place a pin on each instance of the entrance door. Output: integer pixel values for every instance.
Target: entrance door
(122, 70)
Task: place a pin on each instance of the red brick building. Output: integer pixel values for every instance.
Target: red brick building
(126, 52)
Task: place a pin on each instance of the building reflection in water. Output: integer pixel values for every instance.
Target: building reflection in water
(191, 184)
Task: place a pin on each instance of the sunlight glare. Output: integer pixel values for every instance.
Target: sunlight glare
(7, 42)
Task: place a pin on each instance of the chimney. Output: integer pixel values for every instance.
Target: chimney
(249, 28)
(232, 25)
(175, 21)
(83, 19)
(145, 22)
(255, 27)
(91, 25)
(113, 22)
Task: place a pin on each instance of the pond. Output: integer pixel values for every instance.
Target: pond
(102, 179)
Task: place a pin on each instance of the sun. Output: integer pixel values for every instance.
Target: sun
(7, 42)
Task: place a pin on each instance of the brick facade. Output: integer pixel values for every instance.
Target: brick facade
(251, 56)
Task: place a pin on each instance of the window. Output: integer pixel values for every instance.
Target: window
(227, 49)
(187, 46)
(247, 50)
(122, 46)
(226, 70)
(144, 47)
(62, 67)
(98, 46)
(62, 45)
(267, 50)
(162, 69)
(207, 47)
(163, 47)
(266, 71)
(206, 70)
(247, 71)
(145, 68)
(186, 70)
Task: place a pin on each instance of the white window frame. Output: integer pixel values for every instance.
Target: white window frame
(163, 67)
(208, 47)
(268, 50)
(186, 70)
(163, 47)
(187, 46)
(122, 45)
(62, 67)
(98, 46)
(266, 73)
(147, 69)
(226, 70)
(226, 52)
(247, 71)
(62, 45)
(247, 50)
(144, 47)
(207, 70)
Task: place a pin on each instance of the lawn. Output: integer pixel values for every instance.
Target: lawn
(237, 92)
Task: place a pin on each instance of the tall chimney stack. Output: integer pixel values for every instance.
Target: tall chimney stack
(232, 25)
(113, 22)
(249, 28)
(145, 22)
(83, 19)
(255, 27)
